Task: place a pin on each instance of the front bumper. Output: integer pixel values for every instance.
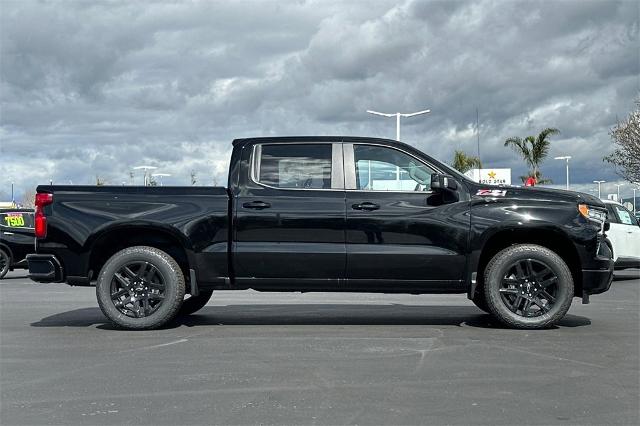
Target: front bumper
(597, 279)
(45, 268)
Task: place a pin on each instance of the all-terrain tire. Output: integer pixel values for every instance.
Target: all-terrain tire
(500, 265)
(165, 269)
(195, 303)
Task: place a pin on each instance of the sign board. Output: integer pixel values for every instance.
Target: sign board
(490, 176)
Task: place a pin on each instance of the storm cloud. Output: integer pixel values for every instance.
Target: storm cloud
(96, 88)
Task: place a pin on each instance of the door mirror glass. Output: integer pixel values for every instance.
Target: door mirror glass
(441, 182)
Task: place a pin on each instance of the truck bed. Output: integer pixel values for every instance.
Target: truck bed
(86, 223)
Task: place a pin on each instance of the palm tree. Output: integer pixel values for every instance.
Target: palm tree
(533, 150)
(463, 162)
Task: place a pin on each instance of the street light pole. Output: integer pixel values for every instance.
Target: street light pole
(619, 185)
(634, 200)
(397, 115)
(144, 169)
(566, 157)
(599, 182)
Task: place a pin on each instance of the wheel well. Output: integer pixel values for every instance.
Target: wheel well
(552, 240)
(112, 242)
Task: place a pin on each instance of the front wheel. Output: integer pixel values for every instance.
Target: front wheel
(528, 286)
(140, 288)
(5, 263)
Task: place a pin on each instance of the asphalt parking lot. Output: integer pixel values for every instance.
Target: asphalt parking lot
(323, 358)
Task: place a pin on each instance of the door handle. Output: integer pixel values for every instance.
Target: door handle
(367, 206)
(7, 233)
(258, 205)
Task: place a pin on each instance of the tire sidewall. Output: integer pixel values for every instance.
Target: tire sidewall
(173, 280)
(500, 266)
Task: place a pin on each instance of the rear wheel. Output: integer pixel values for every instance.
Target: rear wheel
(5, 263)
(140, 288)
(528, 286)
(195, 303)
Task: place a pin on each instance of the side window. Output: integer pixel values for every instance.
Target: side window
(380, 168)
(293, 166)
(611, 215)
(16, 219)
(626, 218)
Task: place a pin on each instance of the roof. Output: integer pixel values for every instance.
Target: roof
(294, 139)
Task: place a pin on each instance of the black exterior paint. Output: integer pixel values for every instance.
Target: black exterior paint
(314, 239)
(17, 242)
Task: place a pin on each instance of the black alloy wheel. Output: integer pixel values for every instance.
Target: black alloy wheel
(529, 288)
(137, 289)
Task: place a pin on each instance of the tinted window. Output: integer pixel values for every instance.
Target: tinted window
(384, 169)
(16, 219)
(301, 166)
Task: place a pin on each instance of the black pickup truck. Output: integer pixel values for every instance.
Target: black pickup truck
(324, 214)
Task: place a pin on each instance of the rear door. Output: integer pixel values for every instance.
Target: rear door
(399, 232)
(290, 215)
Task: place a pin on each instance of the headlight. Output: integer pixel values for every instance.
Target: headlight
(593, 214)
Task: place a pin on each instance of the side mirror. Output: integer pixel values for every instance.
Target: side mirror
(443, 182)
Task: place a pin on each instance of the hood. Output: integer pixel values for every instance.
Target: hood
(537, 192)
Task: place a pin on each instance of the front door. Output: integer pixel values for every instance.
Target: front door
(290, 216)
(399, 232)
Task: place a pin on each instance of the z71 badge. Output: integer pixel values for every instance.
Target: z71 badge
(492, 192)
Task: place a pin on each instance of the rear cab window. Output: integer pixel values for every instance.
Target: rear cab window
(296, 166)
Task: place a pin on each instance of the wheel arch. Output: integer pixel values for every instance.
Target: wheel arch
(551, 237)
(107, 242)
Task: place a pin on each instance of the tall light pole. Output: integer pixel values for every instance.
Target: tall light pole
(144, 169)
(619, 185)
(397, 115)
(12, 200)
(565, 157)
(599, 182)
(634, 199)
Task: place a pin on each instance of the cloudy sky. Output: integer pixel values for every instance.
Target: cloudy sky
(96, 88)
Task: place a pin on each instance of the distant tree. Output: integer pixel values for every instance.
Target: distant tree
(99, 181)
(626, 139)
(463, 162)
(540, 180)
(29, 199)
(194, 178)
(533, 150)
(152, 181)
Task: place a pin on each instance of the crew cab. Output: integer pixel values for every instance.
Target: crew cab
(324, 214)
(16, 239)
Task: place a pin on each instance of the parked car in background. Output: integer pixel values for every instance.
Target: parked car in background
(624, 235)
(16, 239)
